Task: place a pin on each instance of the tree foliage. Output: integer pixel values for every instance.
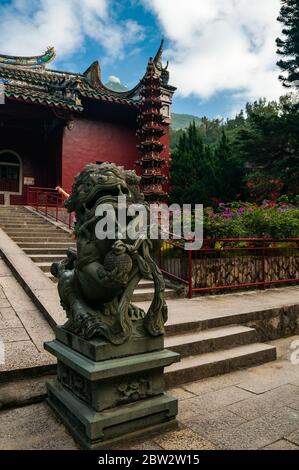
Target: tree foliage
(254, 156)
(288, 46)
(193, 169)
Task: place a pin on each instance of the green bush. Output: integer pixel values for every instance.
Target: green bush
(251, 221)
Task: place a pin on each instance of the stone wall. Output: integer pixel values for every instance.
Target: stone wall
(228, 271)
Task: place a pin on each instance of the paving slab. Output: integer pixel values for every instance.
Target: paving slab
(282, 444)
(294, 405)
(136, 445)
(259, 384)
(257, 406)
(180, 393)
(260, 432)
(22, 355)
(183, 438)
(9, 318)
(210, 402)
(23, 329)
(221, 421)
(11, 335)
(212, 384)
(294, 437)
(33, 427)
(4, 303)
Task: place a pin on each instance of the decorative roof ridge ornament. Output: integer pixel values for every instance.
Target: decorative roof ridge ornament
(93, 75)
(32, 62)
(159, 55)
(158, 62)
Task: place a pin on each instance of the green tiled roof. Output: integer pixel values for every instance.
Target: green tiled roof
(30, 95)
(54, 88)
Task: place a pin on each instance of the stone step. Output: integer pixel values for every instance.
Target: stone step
(140, 286)
(11, 220)
(219, 362)
(202, 342)
(22, 224)
(38, 231)
(138, 293)
(46, 245)
(51, 277)
(20, 392)
(26, 229)
(145, 284)
(10, 213)
(45, 251)
(30, 227)
(144, 294)
(40, 239)
(48, 258)
(44, 266)
(214, 319)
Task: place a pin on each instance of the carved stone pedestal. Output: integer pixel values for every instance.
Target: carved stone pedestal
(104, 393)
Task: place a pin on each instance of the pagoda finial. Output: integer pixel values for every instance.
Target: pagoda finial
(158, 63)
(158, 56)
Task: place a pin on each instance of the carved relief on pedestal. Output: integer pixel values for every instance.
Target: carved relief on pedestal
(74, 382)
(135, 390)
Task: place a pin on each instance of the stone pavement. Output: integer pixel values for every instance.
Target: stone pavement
(23, 329)
(256, 408)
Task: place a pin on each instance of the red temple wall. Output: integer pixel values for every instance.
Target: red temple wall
(56, 161)
(92, 141)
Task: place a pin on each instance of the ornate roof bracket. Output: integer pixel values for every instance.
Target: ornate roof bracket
(65, 116)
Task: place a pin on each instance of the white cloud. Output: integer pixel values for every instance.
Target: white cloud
(221, 45)
(27, 26)
(114, 79)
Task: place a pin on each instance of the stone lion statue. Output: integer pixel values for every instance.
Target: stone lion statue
(96, 281)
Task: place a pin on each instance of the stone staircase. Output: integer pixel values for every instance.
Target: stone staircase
(46, 243)
(215, 351)
(213, 341)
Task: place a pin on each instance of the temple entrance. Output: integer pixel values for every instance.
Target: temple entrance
(10, 174)
(30, 151)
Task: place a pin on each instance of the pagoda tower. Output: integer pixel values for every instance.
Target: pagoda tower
(150, 130)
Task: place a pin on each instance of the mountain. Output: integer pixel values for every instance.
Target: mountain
(115, 84)
(182, 121)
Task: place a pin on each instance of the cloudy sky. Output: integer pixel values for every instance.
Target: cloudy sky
(221, 52)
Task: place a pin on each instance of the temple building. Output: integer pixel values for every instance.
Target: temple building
(52, 123)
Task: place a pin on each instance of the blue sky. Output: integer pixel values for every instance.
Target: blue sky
(221, 52)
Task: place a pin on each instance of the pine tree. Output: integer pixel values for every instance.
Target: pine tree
(269, 145)
(231, 171)
(193, 170)
(289, 46)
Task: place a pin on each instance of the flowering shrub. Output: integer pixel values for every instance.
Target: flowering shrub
(237, 220)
